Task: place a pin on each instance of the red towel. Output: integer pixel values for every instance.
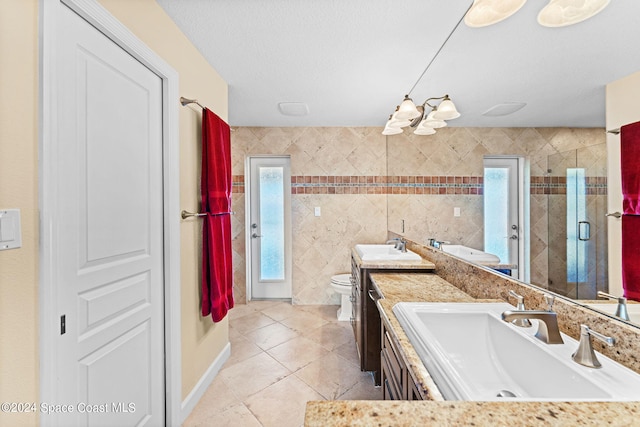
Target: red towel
(630, 168)
(631, 256)
(215, 190)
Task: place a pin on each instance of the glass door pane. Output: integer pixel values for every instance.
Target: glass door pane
(272, 223)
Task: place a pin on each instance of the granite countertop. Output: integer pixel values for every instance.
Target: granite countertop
(423, 264)
(354, 413)
(434, 410)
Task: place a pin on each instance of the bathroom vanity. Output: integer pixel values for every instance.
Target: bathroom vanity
(406, 378)
(365, 319)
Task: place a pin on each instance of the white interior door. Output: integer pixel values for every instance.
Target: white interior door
(108, 235)
(502, 227)
(270, 227)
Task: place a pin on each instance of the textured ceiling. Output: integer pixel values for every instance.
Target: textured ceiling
(353, 61)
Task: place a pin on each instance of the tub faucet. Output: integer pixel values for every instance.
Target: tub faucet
(439, 243)
(585, 355)
(548, 330)
(621, 310)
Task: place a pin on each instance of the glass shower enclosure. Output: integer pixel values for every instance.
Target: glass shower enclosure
(576, 184)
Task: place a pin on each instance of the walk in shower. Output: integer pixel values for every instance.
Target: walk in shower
(576, 188)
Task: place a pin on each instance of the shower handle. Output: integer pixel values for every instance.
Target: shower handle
(588, 230)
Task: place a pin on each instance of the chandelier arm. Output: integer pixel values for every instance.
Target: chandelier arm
(438, 52)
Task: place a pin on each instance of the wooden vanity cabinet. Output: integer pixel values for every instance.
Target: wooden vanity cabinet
(365, 318)
(397, 383)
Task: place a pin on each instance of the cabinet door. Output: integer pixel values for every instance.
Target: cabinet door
(356, 316)
(412, 392)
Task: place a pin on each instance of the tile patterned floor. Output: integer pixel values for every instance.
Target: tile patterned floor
(281, 357)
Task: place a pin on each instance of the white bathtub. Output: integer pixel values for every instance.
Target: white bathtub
(471, 254)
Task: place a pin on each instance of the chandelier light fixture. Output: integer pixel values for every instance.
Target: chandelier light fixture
(557, 13)
(425, 120)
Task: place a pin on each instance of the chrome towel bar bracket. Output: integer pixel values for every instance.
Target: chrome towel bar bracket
(187, 214)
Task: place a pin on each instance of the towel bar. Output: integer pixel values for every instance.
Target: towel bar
(187, 214)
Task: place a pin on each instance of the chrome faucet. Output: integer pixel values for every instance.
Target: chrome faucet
(548, 330)
(621, 310)
(585, 355)
(438, 244)
(399, 242)
(523, 323)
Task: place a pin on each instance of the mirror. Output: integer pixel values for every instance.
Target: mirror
(437, 192)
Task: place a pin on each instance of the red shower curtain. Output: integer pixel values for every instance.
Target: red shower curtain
(630, 170)
(215, 190)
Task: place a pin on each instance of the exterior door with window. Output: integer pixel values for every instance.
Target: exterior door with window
(502, 225)
(269, 227)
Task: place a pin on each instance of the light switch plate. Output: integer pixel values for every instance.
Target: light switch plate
(10, 231)
(316, 211)
(456, 212)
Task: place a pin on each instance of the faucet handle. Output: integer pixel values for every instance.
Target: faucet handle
(523, 323)
(584, 354)
(549, 299)
(520, 298)
(621, 310)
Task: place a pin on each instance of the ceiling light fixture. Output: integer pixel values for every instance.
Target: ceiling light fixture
(489, 12)
(408, 114)
(558, 13)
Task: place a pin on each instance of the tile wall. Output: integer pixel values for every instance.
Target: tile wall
(334, 169)
(366, 184)
(457, 153)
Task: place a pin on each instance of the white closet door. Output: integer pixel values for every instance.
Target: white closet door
(109, 232)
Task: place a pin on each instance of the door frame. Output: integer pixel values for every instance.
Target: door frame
(101, 19)
(524, 233)
(247, 224)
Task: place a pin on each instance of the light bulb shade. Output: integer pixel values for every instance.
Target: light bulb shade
(424, 131)
(446, 110)
(560, 13)
(407, 110)
(489, 12)
(395, 122)
(431, 122)
(391, 131)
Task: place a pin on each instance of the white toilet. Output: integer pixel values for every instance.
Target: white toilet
(341, 283)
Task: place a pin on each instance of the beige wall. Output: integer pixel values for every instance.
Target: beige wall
(202, 340)
(19, 189)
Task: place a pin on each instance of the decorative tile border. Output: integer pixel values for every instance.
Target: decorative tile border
(460, 185)
(596, 185)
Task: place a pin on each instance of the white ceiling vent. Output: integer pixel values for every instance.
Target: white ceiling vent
(293, 108)
(504, 109)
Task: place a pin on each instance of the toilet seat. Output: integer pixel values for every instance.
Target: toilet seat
(341, 279)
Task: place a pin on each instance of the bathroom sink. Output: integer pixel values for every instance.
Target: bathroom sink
(470, 254)
(385, 253)
(472, 354)
(610, 308)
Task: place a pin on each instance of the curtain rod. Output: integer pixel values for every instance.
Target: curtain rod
(186, 101)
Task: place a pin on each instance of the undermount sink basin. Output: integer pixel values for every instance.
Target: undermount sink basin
(472, 354)
(610, 308)
(470, 254)
(385, 253)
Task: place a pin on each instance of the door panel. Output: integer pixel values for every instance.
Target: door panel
(270, 229)
(501, 210)
(109, 231)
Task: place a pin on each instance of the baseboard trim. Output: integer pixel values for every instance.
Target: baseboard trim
(190, 402)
